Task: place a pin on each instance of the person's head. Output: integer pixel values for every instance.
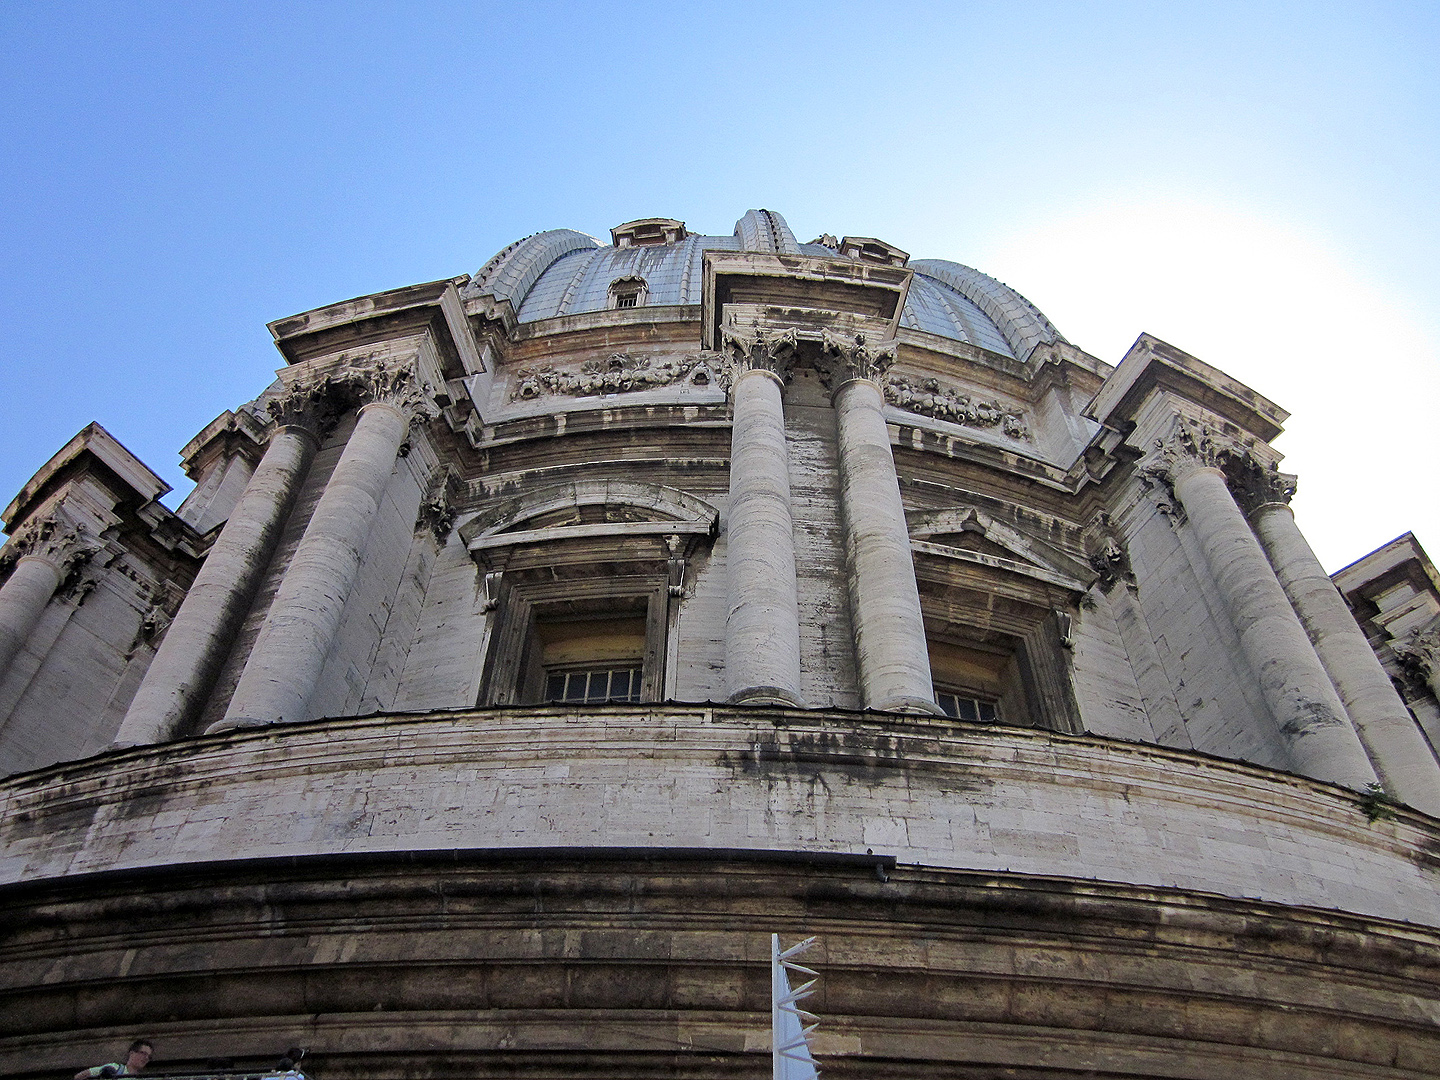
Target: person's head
(139, 1055)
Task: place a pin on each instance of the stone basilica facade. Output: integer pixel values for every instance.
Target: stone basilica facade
(541, 641)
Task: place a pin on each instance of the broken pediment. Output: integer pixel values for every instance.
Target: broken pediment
(596, 509)
(969, 534)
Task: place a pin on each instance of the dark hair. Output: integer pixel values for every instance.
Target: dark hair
(138, 1043)
(295, 1054)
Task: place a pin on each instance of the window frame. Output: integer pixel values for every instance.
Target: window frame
(524, 599)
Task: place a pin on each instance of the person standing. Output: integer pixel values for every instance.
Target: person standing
(136, 1059)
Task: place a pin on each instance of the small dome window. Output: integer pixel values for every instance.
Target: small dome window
(628, 292)
(868, 249)
(648, 232)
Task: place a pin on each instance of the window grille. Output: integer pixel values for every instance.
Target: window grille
(964, 707)
(593, 686)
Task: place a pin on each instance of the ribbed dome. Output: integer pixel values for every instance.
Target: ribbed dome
(564, 272)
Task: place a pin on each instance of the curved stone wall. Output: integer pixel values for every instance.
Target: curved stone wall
(930, 792)
(464, 964)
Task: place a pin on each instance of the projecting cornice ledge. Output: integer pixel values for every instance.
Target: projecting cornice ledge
(1152, 365)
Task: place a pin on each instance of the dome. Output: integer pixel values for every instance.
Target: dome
(564, 272)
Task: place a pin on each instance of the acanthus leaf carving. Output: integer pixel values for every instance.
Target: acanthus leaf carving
(397, 385)
(1192, 444)
(854, 357)
(758, 349)
(930, 397)
(53, 537)
(308, 402)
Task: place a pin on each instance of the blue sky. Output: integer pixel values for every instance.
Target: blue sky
(1257, 183)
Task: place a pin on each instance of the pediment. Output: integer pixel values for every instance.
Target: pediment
(590, 509)
(969, 534)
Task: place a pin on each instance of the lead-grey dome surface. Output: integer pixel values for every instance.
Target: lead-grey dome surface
(564, 272)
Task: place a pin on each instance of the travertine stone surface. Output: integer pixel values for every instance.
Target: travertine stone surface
(884, 601)
(542, 963)
(928, 791)
(204, 628)
(1296, 687)
(286, 661)
(762, 629)
(1405, 762)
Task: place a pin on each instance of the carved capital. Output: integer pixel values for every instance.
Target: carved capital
(756, 350)
(308, 403)
(398, 385)
(853, 357)
(1192, 445)
(66, 544)
(1255, 484)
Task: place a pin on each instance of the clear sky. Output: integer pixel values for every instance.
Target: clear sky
(1257, 183)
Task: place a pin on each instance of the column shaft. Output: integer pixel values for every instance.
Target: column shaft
(762, 629)
(22, 601)
(884, 600)
(1398, 750)
(200, 637)
(1295, 686)
(286, 660)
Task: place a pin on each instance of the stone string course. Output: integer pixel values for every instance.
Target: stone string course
(926, 791)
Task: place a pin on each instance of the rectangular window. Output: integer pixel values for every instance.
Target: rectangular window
(964, 707)
(627, 299)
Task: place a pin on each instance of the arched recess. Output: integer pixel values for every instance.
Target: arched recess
(583, 579)
(999, 606)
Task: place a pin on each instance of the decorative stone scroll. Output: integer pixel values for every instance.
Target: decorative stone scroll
(930, 397)
(756, 350)
(437, 510)
(619, 373)
(854, 358)
(1419, 655)
(1107, 555)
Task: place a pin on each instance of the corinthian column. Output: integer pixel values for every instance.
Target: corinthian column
(884, 600)
(1401, 755)
(200, 637)
(44, 550)
(1294, 684)
(285, 663)
(762, 627)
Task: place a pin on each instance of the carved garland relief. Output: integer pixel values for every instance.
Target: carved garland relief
(620, 373)
(930, 397)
